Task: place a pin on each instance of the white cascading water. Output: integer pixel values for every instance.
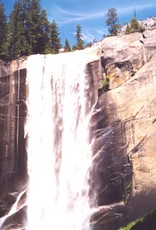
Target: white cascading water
(59, 152)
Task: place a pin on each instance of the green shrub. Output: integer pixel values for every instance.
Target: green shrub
(145, 222)
(134, 26)
(105, 84)
(129, 226)
(128, 29)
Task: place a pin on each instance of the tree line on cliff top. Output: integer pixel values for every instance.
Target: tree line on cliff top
(114, 27)
(28, 31)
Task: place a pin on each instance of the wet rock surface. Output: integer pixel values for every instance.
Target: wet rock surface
(13, 175)
(16, 221)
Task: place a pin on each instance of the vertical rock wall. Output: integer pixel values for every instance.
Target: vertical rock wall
(12, 140)
(125, 127)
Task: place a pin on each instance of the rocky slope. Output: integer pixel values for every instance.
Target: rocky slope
(123, 124)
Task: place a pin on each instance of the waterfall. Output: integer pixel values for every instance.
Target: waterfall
(59, 150)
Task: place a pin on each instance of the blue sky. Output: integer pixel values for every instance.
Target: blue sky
(90, 14)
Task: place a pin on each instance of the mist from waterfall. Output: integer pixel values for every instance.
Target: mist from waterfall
(59, 149)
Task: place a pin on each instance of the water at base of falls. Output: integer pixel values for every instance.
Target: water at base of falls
(59, 152)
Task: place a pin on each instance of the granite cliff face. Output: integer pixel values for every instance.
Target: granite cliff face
(124, 124)
(13, 161)
(125, 166)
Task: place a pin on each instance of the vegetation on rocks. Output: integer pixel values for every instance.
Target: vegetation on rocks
(3, 31)
(105, 84)
(114, 27)
(143, 223)
(54, 41)
(67, 46)
(134, 26)
(27, 31)
(80, 43)
(112, 22)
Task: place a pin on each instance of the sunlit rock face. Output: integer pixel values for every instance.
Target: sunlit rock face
(124, 55)
(125, 174)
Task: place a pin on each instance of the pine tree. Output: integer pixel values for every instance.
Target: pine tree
(89, 44)
(80, 43)
(17, 43)
(55, 44)
(135, 26)
(74, 47)
(28, 29)
(37, 27)
(3, 32)
(112, 21)
(33, 27)
(44, 29)
(67, 46)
